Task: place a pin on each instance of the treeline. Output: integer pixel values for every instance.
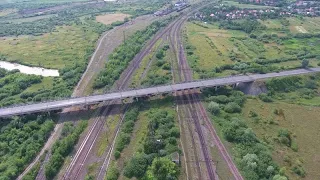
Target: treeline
(154, 161)
(248, 25)
(63, 147)
(68, 16)
(126, 130)
(13, 83)
(21, 138)
(305, 87)
(121, 57)
(253, 157)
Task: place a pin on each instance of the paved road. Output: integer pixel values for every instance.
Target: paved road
(55, 105)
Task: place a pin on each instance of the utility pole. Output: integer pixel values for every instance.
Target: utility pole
(124, 36)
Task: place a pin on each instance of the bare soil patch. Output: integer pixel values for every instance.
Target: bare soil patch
(301, 29)
(111, 18)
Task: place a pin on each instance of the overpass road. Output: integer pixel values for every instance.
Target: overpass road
(94, 99)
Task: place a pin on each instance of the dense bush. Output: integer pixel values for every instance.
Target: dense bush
(21, 138)
(214, 108)
(285, 84)
(265, 98)
(136, 167)
(113, 173)
(126, 130)
(232, 107)
(252, 156)
(163, 169)
(160, 141)
(63, 147)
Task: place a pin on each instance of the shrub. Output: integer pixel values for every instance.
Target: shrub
(214, 108)
(265, 98)
(284, 137)
(136, 167)
(117, 154)
(232, 107)
(113, 173)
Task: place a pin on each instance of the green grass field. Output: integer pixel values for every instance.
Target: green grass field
(65, 46)
(301, 121)
(237, 4)
(309, 24)
(214, 47)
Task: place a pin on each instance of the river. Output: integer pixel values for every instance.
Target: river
(29, 70)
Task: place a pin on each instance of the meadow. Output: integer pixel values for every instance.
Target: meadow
(216, 51)
(303, 124)
(283, 124)
(56, 50)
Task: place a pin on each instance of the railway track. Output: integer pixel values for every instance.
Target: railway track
(77, 164)
(190, 111)
(196, 105)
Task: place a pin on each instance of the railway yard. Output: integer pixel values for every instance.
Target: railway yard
(215, 132)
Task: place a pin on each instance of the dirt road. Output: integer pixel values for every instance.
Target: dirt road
(105, 45)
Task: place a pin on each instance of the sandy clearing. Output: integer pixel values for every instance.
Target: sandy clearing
(301, 29)
(110, 18)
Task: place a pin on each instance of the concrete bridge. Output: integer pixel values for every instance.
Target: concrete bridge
(94, 99)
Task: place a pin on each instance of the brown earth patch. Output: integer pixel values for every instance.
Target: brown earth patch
(110, 18)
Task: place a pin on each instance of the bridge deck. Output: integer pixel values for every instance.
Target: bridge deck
(59, 104)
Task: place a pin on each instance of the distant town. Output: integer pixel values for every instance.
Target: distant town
(223, 11)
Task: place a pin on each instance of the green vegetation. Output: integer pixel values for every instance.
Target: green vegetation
(126, 130)
(121, 57)
(224, 46)
(160, 71)
(32, 174)
(270, 135)
(20, 140)
(113, 173)
(155, 137)
(13, 86)
(252, 156)
(161, 141)
(63, 147)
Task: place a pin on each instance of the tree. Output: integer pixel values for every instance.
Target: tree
(214, 108)
(305, 63)
(164, 169)
(136, 167)
(279, 177)
(232, 107)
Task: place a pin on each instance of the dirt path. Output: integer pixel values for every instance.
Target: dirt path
(105, 45)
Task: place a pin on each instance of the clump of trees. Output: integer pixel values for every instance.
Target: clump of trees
(121, 57)
(126, 129)
(21, 138)
(248, 25)
(63, 147)
(161, 141)
(252, 156)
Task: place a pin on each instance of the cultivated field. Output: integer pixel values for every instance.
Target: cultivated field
(111, 18)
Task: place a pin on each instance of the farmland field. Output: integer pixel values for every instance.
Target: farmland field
(210, 47)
